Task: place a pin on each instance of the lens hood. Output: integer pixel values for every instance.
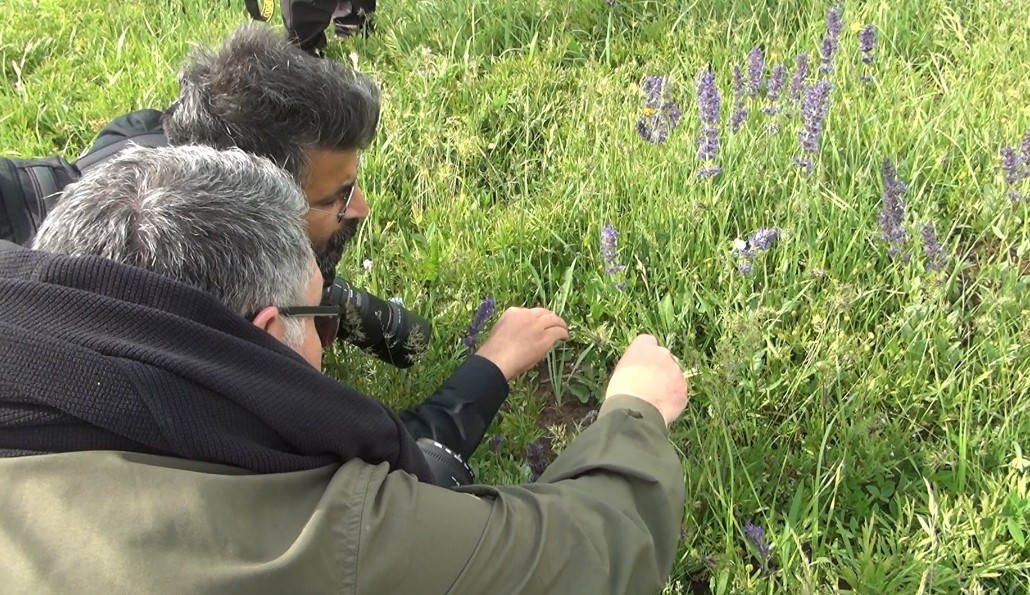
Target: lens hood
(448, 468)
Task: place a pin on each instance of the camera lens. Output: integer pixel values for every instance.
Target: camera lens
(448, 468)
(382, 328)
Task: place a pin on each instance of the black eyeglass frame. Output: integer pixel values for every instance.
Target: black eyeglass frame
(342, 213)
(318, 312)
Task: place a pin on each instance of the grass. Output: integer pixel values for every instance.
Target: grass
(868, 413)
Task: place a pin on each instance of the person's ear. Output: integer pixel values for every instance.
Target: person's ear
(269, 320)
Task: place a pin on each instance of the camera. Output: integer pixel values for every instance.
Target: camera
(380, 327)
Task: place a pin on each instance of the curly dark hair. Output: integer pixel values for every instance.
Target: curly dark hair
(260, 93)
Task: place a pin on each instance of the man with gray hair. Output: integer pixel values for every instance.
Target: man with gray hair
(164, 427)
(314, 117)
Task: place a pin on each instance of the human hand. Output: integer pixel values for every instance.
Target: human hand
(521, 338)
(650, 373)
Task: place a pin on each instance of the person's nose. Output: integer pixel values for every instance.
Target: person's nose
(358, 207)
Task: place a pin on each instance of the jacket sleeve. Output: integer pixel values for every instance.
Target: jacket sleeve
(127, 125)
(458, 414)
(603, 519)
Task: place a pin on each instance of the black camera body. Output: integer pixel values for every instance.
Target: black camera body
(380, 327)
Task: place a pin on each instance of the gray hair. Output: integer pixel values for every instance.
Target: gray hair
(266, 96)
(228, 223)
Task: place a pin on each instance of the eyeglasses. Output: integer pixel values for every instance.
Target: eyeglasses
(327, 320)
(346, 204)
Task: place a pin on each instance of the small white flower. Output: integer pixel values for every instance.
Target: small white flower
(739, 245)
(397, 300)
(367, 265)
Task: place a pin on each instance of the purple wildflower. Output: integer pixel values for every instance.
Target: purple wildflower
(802, 162)
(653, 128)
(813, 113)
(743, 249)
(740, 111)
(495, 443)
(935, 258)
(777, 78)
(797, 82)
(674, 113)
(708, 112)
(536, 460)
(829, 46)
(1016, 166)
(763, 238)
(708, 171)
(759, 241)
(866, 42)
(486, 309)
(653, 86)
(609, 251)
(755, 70)
(892, 213)
(708, 99)
(660, 114)
(1011, 165)
(756, 536)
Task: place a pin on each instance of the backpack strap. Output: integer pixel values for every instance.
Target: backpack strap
(16, 222)
(45, 185)
(87, 161)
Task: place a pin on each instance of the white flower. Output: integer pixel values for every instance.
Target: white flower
(367, 265)
(739, 245)
(397, 300)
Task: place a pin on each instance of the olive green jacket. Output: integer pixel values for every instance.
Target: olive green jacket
(604, 518)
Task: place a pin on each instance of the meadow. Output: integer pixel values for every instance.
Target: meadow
(839, 258)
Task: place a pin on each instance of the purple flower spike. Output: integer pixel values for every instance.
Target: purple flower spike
(653, 128)
(1025, 147)
(536, 460)
(829, 46)
(935, 258)
(653, 86)
(797, 82)
(756, 535)
(813, 113)
(609, 251)
(660, 114)
(708, 112)
(892, 212)
(674, 114)
(1011, 165)
(777, 78)
(764, 237)
(708, 99)
(866, 43)
(755, 70)
(759, 241)
(709, 171)
(486, 309)
(740, 111)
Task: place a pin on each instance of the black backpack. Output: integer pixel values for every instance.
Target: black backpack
(30, 188)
